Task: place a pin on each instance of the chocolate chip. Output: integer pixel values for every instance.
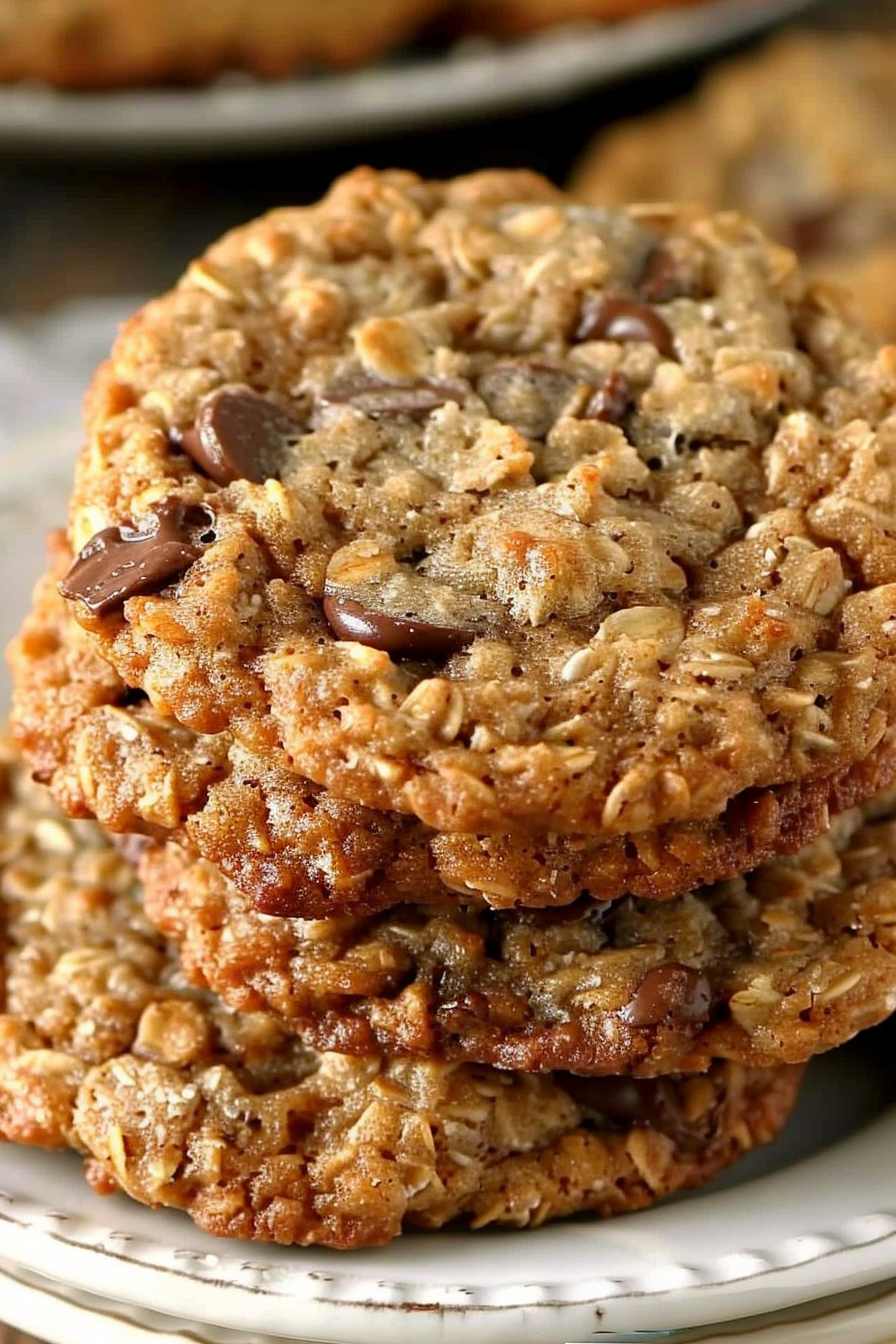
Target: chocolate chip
(240, 436)
(642, 1103)
(527, 393)
(376, 399)
(120, 562)
(611, 400)
(671, 991)
(611, 318)
(662, 279)
(401, 636)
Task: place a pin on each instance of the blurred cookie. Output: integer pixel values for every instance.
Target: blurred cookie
(799, 136)
(179, 1102)
(105, 752)
(103, 43)
(767, 969)
(508, 18)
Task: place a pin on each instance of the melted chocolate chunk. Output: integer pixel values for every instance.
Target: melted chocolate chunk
(121, 562)
(611, 318)
(643, 1103)
(240, 435)
(376, 399)
(662, 279)
(611, 400)
(401, 636)
(671, 991)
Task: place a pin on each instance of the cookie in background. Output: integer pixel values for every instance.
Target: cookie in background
(115, 43)
(799, 136)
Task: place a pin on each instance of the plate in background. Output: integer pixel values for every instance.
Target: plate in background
(475, 78)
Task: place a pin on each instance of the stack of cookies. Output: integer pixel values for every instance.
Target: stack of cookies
(476, 625)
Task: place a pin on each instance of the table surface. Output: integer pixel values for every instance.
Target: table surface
(73, 229)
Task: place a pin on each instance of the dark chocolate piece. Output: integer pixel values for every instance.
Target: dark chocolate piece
(240, 435)
(375, 398)
(672, 991)
(611, 318)
(643, 1103)
(120, 562)
(662, 279)
(611, 400)
(402, 636)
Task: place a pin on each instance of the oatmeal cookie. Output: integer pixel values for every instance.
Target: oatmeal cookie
(179, 1102)
(500, 510)
(766, 969)
(103, 43)
(105, 752)
(799, 136)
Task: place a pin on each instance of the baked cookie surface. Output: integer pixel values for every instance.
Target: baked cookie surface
(103, 43)
(295, 850)
(766, 969)
(181, 1103)
(799, 137)
(500, 510)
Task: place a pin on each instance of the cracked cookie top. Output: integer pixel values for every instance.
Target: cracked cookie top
(500, 510)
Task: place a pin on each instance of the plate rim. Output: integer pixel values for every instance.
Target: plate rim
(477, 77)
(71, 1307)
(226, 1287)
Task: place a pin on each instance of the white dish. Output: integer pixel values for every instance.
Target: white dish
(71, 1316)
(474, 79)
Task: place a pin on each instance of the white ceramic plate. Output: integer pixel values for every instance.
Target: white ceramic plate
(474, 79)
(71, 1316)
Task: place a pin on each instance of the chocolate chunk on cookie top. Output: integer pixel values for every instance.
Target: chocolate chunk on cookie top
(121, 561)
(526, 514)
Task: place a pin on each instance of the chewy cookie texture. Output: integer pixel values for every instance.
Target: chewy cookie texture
(767, 969)
(798, 136)
(453, 571)
(178, 1101)
(294, 849)
(470, 502)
